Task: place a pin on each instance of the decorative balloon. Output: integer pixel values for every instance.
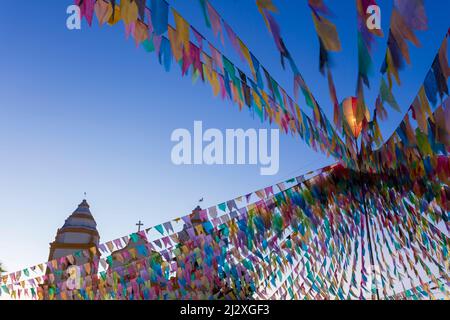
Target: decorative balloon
(349, 108)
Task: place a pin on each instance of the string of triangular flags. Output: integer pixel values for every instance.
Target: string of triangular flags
(432, 134)
(210, 218)
(321, 219)
(213, 67)
(283, 257)
(328, 40)
(407, 17)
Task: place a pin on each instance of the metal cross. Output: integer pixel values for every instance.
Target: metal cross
(139, 224)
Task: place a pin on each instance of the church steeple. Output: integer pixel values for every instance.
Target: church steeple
(79, 232)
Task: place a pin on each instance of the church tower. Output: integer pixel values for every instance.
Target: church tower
(79, 232)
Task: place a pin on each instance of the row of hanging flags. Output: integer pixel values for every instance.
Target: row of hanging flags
(407, 17)
(166, 237)
(406, 146)
(261, 93)
(328, 42)
(308, 240)
(149, 26)
(431, 136)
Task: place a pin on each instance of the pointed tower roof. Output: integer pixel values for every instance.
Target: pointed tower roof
(78, 232)
(81, 218)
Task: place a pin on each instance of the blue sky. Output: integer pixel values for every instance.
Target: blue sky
(87, 111)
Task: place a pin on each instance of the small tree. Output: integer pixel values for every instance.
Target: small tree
(1, 268)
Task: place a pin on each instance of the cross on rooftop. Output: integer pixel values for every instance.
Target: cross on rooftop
(139, 224)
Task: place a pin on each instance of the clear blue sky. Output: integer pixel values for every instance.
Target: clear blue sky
(87, 111)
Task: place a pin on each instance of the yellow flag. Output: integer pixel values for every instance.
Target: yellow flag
(182, 28)
(327, 32)
(215, 83)
(175, 44)
(424, 102)
(129, 11)
(246, 54)
(103, 11)
(257, 100)
(391, 69)
(114, 17)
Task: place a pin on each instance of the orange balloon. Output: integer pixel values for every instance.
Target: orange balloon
(349, 108)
